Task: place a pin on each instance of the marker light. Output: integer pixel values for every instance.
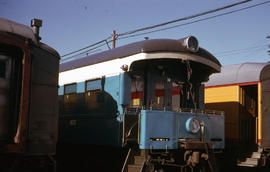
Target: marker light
(192, 44)
(193, 125)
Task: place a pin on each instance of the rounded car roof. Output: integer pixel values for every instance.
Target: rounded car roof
(18, 29)
(10, 27)
(145, 46)
(238, 73)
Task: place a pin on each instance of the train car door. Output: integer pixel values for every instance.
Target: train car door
(265, 109)
(5, 65)
(10, 83)
(248, 113)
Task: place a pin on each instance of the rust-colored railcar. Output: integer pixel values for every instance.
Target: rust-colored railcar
(28, 95)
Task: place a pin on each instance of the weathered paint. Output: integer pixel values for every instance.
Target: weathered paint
(163, 129)
(36, 130)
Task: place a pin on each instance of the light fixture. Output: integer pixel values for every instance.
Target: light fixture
(193, 125)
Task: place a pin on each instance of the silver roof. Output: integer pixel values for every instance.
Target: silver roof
(238, 73)
(145, 46)
(24, 31)
(18, 29)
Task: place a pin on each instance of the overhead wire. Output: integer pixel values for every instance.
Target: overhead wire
(89, 46)
(246, 56)
(84, 52)
(158, 25)
(184, 18)
(243, 51)
(235, 50)
(131, 33)
(195, 21)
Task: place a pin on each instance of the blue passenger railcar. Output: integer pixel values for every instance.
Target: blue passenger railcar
(149, 94)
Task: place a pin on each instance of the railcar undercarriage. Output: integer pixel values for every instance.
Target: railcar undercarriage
(192, 156)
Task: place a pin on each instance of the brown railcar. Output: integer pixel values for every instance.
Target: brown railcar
(28, 94)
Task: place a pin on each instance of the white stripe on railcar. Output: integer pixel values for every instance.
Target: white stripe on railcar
(108, 68)
(113, 67)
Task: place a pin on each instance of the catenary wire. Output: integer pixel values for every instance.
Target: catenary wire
(243, 49)
(104, 40)
(87, 51)
(184, 18)
(195, 21)
(159, 25)
(125, 37)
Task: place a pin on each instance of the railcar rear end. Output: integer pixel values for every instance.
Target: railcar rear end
(146, 97)
(28, 98)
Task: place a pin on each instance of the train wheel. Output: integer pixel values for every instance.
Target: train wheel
(149, 167)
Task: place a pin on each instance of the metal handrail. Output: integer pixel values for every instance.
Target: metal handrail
(131, 128)
(126, 160)
(191, 110)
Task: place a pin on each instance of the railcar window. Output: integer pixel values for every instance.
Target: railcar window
(70, 97)
(176, 96)
(91, 99)
(162, 92)
(93, 94)
(158, 100)
(137, 86)
(70, 88)
(2, 69)
(93, 85)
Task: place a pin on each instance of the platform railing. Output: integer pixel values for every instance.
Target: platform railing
(190, 110)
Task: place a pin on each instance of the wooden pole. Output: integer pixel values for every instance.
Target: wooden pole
(113, 38)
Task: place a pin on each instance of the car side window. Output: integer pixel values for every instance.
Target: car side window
(70, 97)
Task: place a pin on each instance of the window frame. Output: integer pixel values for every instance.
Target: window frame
(96, 91)
(66, 95)
(74, 83)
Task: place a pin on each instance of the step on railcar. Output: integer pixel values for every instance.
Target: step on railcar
(147, 96)
(28, 99)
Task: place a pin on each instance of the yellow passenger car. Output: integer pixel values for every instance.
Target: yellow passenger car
(243, 92)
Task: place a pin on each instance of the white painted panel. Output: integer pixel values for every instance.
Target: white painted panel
(113, 67)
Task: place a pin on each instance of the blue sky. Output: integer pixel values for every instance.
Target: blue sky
(69, 25)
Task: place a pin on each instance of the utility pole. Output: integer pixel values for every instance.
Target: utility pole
(113, 38)
(268, 45)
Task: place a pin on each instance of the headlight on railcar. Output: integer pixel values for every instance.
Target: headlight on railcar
(193, 125)
(191, 43)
